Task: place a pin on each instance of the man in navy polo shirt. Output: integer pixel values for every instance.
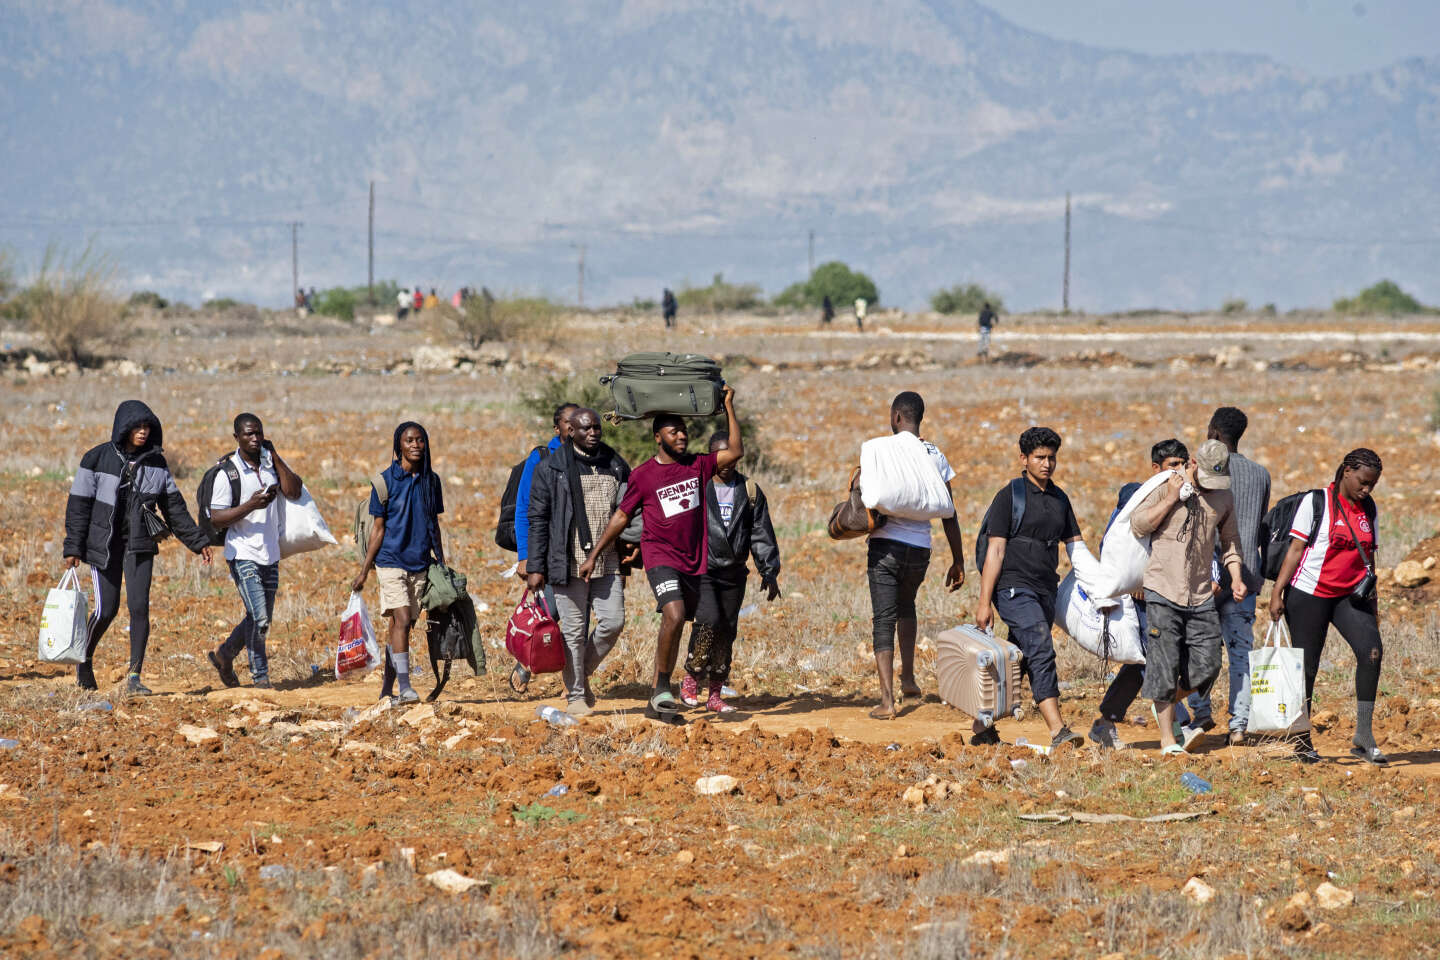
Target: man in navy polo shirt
(404, 541)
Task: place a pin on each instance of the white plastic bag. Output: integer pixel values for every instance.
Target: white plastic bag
(358, 650)
(1277, 686)
(65, 622)
(302, 528)
(1086, 619)
(1123, 555)
(898, 478)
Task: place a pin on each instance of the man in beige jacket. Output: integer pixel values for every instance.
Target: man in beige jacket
(1182, 518)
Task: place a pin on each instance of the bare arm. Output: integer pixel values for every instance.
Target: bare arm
(1230, 553)
(736, 447)
(955, 576)
(1282, 581)
(258, 500)
(290, 482)
(619, 520)
(994, 558)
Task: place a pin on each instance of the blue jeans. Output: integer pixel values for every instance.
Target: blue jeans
(1237, 626)
(257, 584)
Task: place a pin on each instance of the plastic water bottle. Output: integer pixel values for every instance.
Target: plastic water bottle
(556, 716)
(1194, 784)
(7, 744)
(748, 609)
(559, 790)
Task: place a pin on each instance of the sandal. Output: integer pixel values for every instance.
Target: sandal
(662, 706)
(519, 679)
(881, 713)
(1173, 750)
(1373, 755)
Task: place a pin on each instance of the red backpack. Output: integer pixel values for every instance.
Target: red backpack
(533, 637)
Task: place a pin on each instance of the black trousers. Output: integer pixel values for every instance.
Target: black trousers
(895, 571)
(717, 620)
(134, 569)
(1309, 618)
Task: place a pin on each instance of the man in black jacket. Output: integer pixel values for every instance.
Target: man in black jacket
(739, 520)
(104, 528)
(572, 496)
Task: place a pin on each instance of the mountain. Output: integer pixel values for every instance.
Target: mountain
(926, 143)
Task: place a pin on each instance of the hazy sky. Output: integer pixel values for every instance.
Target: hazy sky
(1323, 37)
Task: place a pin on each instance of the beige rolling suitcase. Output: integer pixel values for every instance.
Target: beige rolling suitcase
(978, 673)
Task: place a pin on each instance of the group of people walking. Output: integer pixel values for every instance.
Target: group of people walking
(585, 519)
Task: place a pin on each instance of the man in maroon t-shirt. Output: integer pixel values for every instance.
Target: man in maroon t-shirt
(669, 491)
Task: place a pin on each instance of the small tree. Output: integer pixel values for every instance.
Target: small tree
(965, 298)
(1234, 305)
(1384, 297)
(482, 319)
(835, 280)
(72, 306)
(720, 296)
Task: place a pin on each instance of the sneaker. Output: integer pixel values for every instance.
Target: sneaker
(263, 685)
(224, 668)
(1065, 737)
(716, 704)
(408, 695)
(135, 688)
(1305, 751)
(1370, 755)
(1103, 733)
(1236, 737)
(1192, 738)
(578, 708)
(988, 737)
(85, 677)
(690, 691)
(589, 694)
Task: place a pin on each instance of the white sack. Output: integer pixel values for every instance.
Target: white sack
(302, 528)
(1085, 620)
(899, 479)
(1277, 686)
(1123, 555)
(65, 621)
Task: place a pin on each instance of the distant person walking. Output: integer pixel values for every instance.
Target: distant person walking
(433, 300)
(827, 311)
(986, 320)
(860, 307)
(419, 300)
(116, 481)
(669, 307)
(403, 301)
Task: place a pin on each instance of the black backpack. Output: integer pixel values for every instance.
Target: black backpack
(505, 529)
(215, 536)
(1275, 528)
(1017, 513)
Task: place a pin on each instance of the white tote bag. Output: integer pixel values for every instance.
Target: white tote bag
(1277, 686)
(302, 528)
(64, 623)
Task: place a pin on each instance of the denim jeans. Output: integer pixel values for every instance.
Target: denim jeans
(257, 584)
(1237, 626)
(1030, 616)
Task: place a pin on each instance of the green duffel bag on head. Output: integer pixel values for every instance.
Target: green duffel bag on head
(646, 384)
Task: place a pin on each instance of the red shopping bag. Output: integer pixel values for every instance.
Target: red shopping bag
(533, 637)
(358, 650)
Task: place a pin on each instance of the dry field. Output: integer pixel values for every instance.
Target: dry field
(304, 824)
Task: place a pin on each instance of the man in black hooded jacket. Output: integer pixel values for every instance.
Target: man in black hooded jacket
(574, 493)
(104, 528)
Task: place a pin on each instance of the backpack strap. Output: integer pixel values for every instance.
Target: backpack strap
(382, 487)
(1017, 505)
(232, 473)
(1317, 511)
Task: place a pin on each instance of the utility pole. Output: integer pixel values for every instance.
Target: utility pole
(580, 273)
(372, 244)
(812, 252)
(1065, 289)
(294, 258)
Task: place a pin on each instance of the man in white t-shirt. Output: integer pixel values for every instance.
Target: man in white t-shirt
(899, 553)
(252, 544)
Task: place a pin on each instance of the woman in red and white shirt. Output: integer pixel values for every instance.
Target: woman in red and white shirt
(1328, 579)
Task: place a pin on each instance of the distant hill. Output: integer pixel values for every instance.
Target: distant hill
(925, 142)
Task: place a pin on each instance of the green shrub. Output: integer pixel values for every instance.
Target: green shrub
(147, 298)
(965, 298)
(482, 319)
(1234, 305)
(834, 279)
(719, 296)
(1269, 310)
(72, 306)
(223, 303)
(1384, 297)
(7, 276)
(336, 302)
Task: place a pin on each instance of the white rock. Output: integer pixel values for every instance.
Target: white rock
(452, 742)
(993, 858)
(206, 846)
(1198, 890)
(453, 882)
(196, 734)
(418, 714)
(320, 726)
(719, 784)
(1330, 897)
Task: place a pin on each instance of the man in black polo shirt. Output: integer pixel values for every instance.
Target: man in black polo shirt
(1019, 575)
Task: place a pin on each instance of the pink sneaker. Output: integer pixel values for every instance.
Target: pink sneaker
(690, 691)
(716, 704)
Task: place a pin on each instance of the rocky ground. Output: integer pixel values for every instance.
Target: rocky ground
(307, 821)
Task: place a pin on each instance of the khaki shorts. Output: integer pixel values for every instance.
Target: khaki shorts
(400, 588)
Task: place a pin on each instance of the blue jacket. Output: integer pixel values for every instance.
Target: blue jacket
(522, 501)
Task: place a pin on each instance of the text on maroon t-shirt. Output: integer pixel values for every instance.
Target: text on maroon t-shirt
(671, 498)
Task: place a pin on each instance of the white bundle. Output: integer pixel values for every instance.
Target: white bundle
(898, 477)
(1123, 555)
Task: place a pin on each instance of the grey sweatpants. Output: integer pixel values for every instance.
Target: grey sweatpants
(601, 598)
(1183, 648)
